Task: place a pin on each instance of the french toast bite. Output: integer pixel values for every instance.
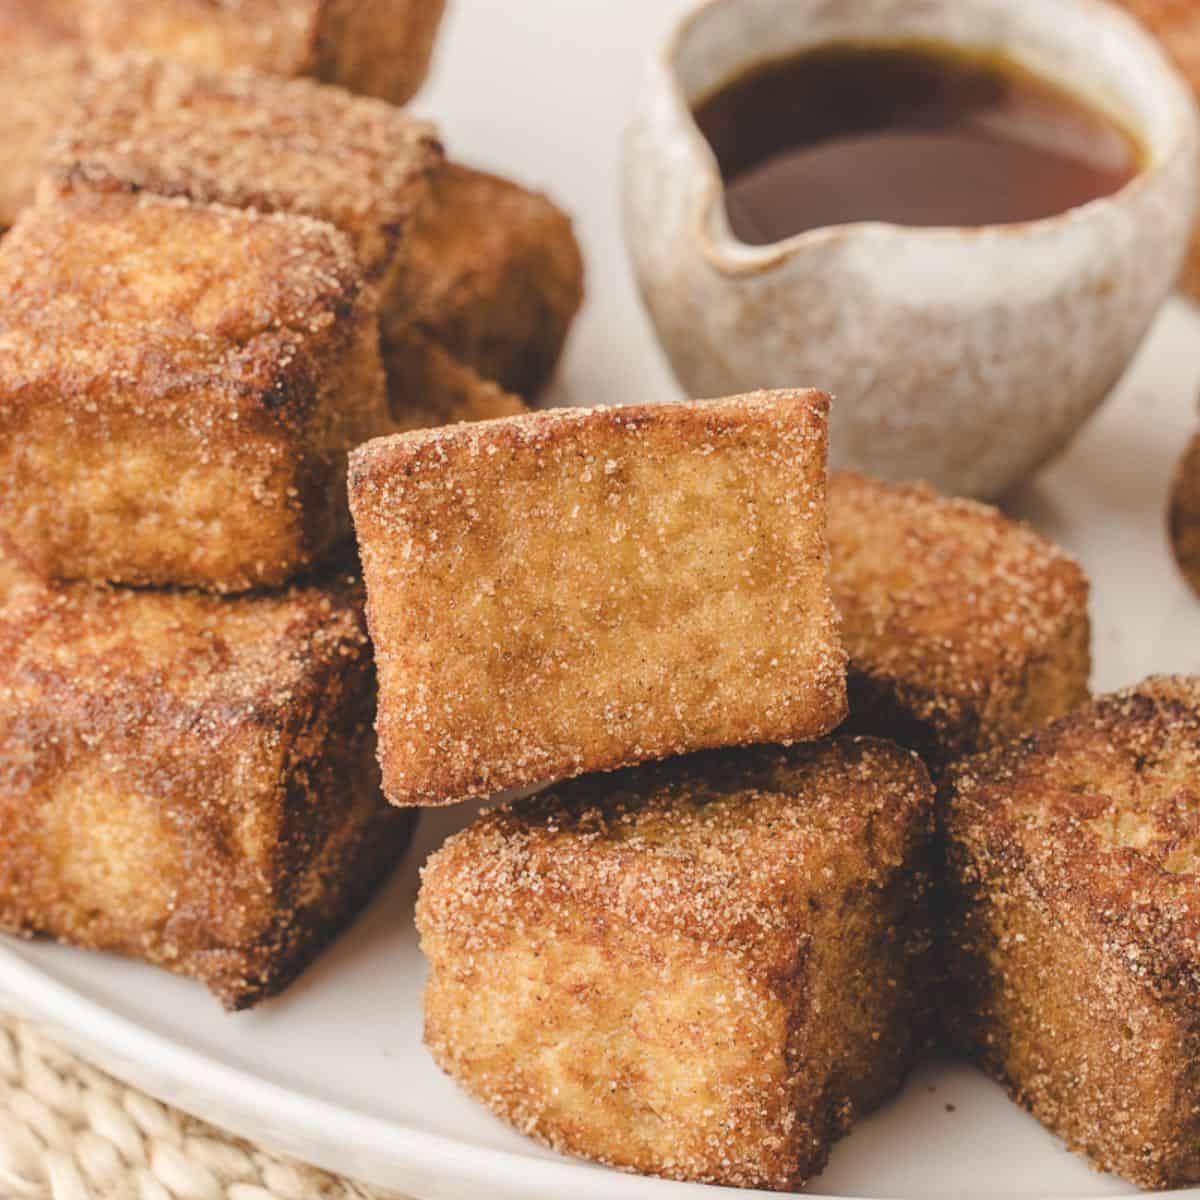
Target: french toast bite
(580, 590)
(1073, 937)
(44, 61)
(377, 47)
(247, 140)
(964, 628)
(494, 274)
(179, 386)
(190, 779)
(706, 969)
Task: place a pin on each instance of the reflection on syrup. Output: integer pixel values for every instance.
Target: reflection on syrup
(912, 134)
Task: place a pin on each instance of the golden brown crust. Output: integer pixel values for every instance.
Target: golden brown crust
(179, 385)
(189, 779)
(1075, 922)
(427, 387)
(1177, 24)
(249, 141)
(44, 62)
(704, 970)
(378, 47)
(964, 629)
(494, 274)
(1183, 515)
(585, 589)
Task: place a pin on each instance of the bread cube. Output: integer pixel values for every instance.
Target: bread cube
(493, 274)
(44, 61)
(190, 779)
(179, 385)
(1074, 927)
(251, 141)
(706, 970)
(378, 47)
(964, 628)
(580, 590)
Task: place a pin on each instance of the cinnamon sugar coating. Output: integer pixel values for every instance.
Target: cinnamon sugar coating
(1074, 927)
(494, 274)
(44, 61)
(189, 779)
(964, 628)
(1184, 514)
(1177, 24)
(706, 969)
(179, 385)
(377, 47)
(580, 590)
(246, 140)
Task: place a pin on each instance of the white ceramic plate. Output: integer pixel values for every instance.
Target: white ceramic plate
(334, 1071)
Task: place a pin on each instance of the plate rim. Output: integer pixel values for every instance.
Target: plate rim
(92, 1027)
(87, 1025)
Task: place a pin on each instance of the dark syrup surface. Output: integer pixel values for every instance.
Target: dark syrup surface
(913, 134)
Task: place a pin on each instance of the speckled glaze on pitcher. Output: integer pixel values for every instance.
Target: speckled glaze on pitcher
(968, 357)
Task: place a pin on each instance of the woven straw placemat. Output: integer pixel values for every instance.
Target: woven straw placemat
(70, 1132)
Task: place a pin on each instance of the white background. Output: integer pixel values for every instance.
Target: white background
(334, 1070)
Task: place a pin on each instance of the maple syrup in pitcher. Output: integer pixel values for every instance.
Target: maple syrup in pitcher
(916, 134)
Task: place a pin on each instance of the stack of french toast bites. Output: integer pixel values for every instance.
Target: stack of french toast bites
(828, 786)
(222, 274)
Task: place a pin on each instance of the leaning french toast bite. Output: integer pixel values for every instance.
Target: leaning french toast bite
(179, 387)
(706, 969)
(964, 628)
(581, 590)
(1074, 927)
(190, 779)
